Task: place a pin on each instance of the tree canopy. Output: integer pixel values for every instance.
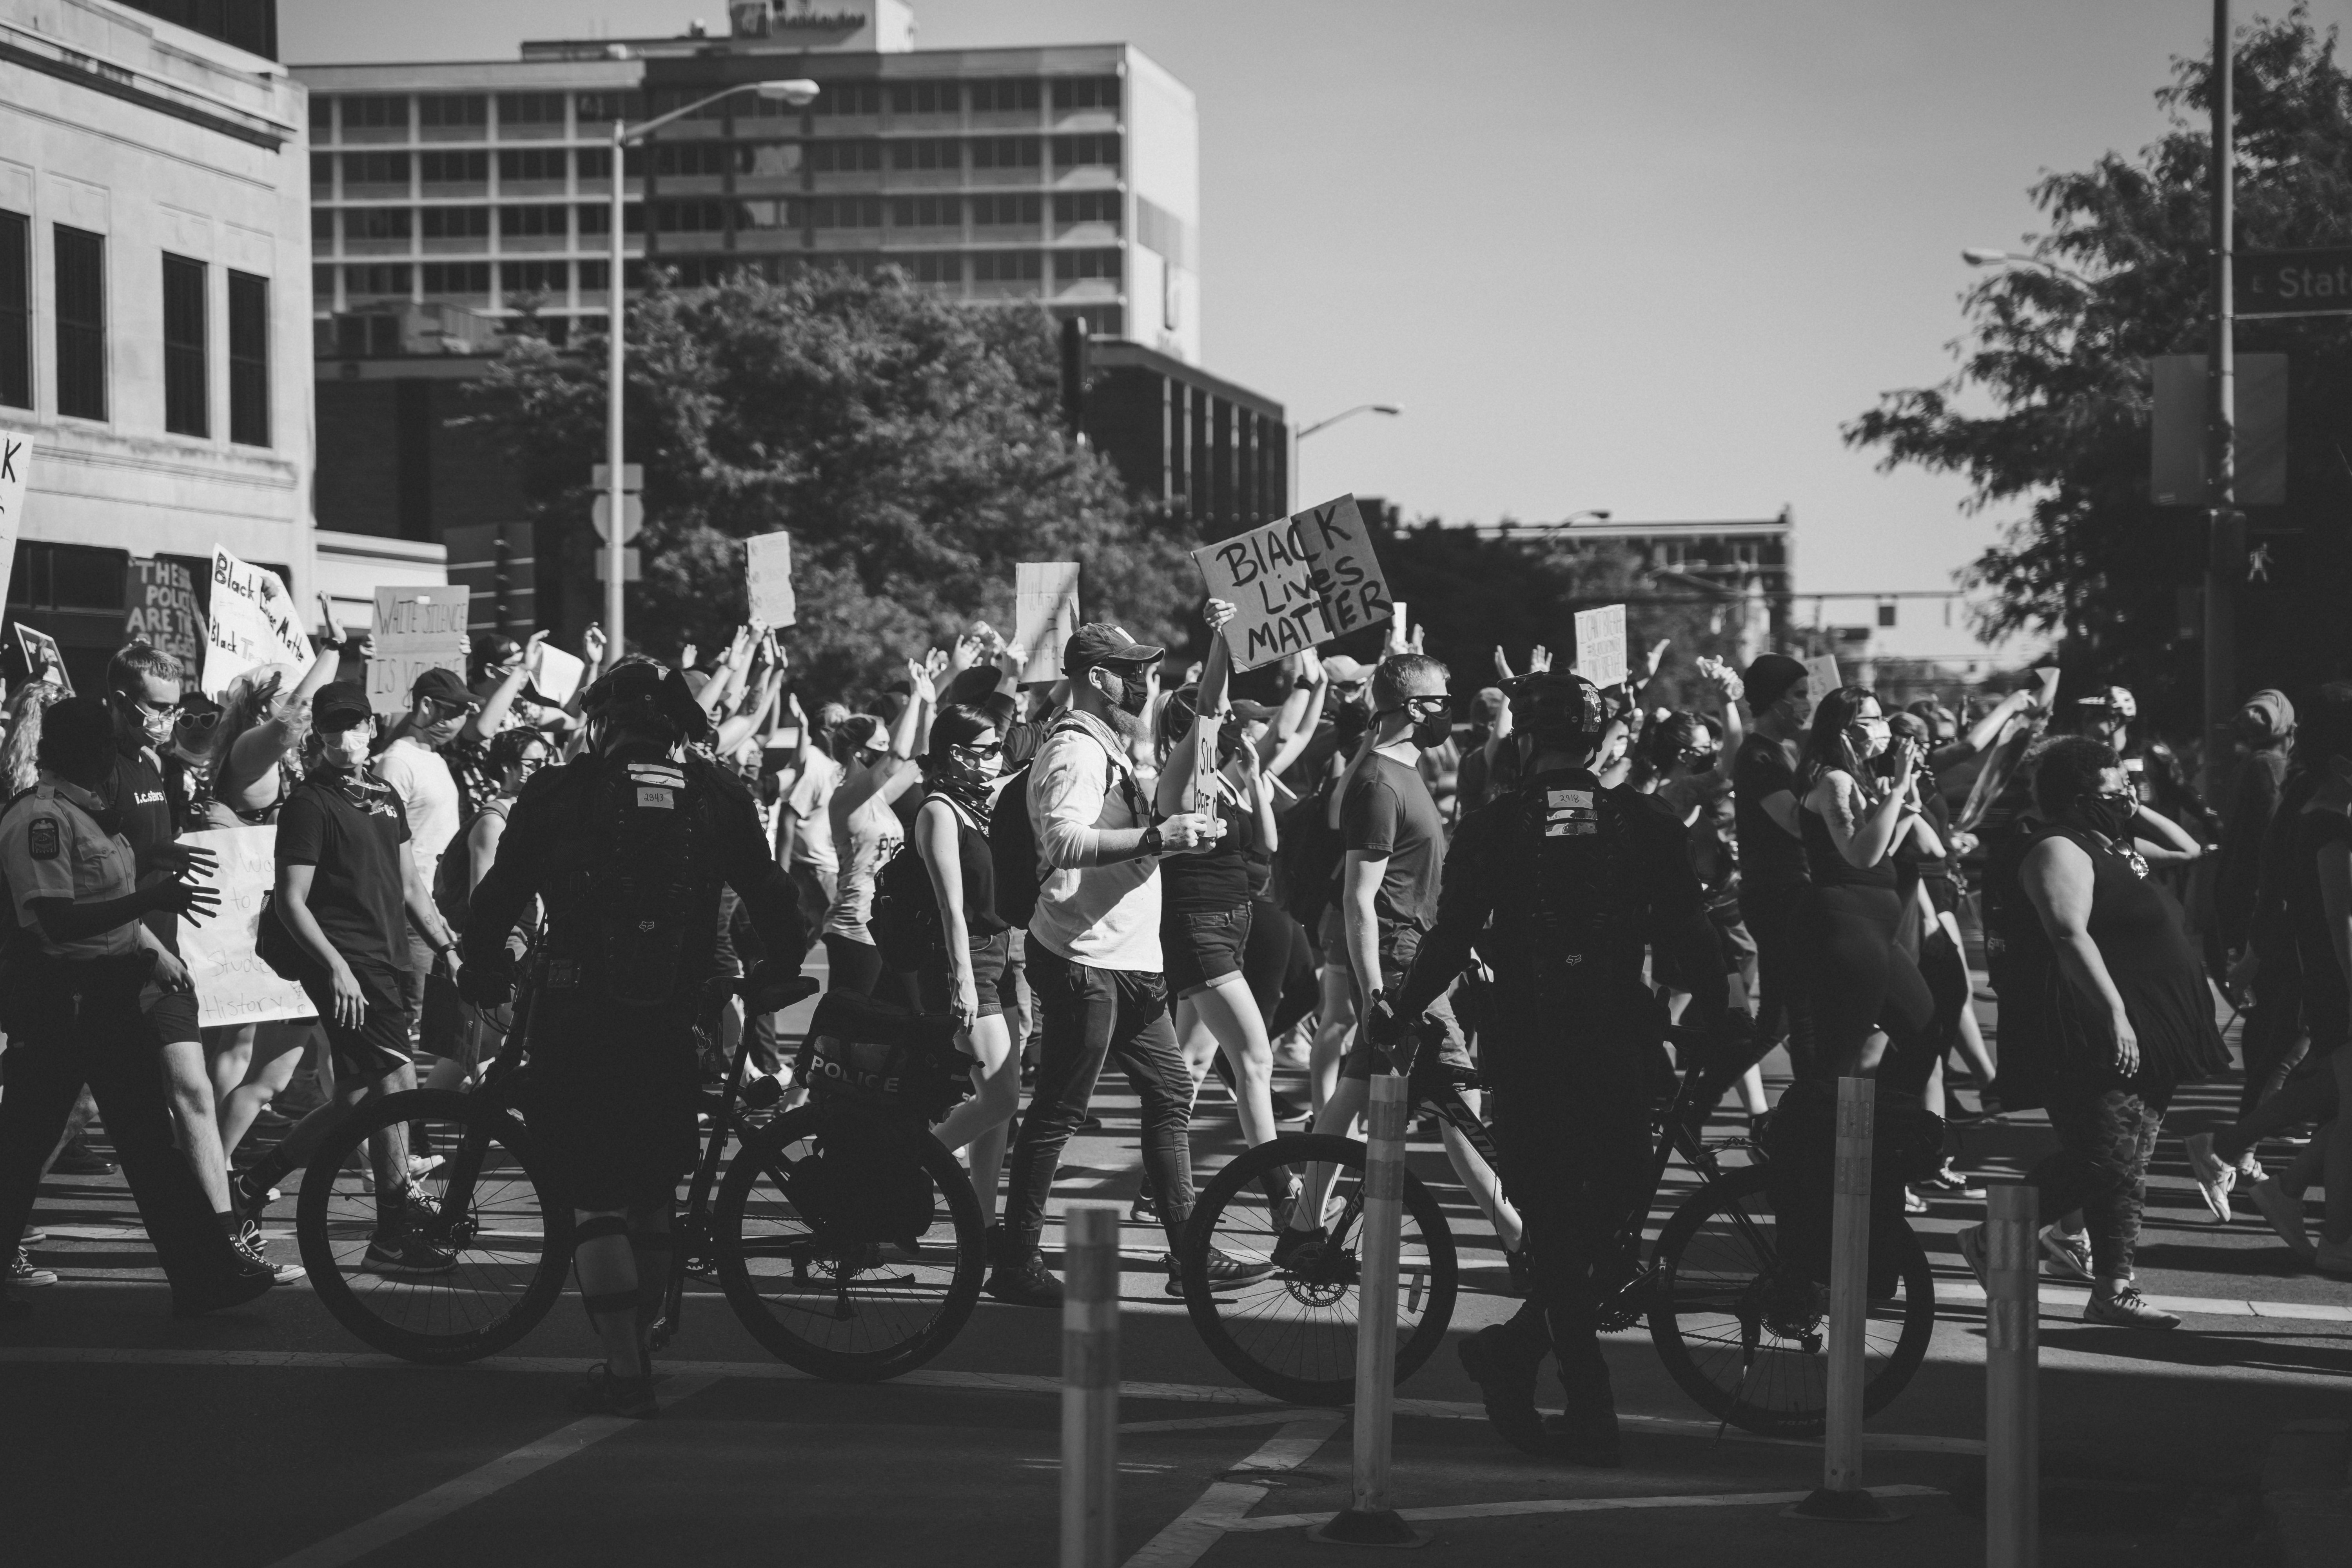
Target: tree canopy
(913, 449)
(2063, 362)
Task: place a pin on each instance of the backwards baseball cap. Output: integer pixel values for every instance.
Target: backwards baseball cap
(341, 705)
(444, 686)
(1769, 677)
(1100, 642)
(2267, 716)
(1341, 671)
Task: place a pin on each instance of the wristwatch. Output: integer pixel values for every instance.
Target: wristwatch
(1152, 843)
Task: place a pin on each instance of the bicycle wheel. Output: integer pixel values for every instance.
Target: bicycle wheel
(511, 1237)
(1292, 1333)
(854, 1311)
(1752, 1347)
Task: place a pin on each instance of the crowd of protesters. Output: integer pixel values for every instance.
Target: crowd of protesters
(1215, 875)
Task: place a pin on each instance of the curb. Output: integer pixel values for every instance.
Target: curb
(2307, 1491)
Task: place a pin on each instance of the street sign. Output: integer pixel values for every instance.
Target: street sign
(633, 476)
(632, 516)
(2294, 282)
(632, 567)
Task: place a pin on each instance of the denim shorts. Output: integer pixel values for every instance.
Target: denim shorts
(992, 979)
(1198, 950)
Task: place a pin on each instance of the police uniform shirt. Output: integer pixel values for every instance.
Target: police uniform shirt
(140, 810)
(51, 847)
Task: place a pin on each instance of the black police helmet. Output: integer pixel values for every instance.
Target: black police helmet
(1558, 709)
(647, 690)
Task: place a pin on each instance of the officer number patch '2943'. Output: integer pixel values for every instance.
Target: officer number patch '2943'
(41, 838)
(1569, 814)
(648, 794)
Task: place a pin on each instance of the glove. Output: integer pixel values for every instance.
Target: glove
(1383, 1027)
(771, 988)
(490, 983)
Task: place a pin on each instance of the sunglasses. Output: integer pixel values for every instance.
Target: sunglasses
(993, 749)
(197, 721)
(444, 711)
(1425, 707)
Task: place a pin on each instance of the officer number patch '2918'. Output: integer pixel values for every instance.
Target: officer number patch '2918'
(1569, 814)
(647, 794)
(41, 838)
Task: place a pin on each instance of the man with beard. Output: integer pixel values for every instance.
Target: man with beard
(1094, 951)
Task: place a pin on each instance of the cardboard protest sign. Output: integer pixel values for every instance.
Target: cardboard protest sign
(254, 622)
(416, 629)
(38, 657)
(554, 674)
(1821, 676)
(163, 609)
(1601, 644)
(232, 986)
(16, 472)
(768, 579)
(1296, 583)
(1044, 617)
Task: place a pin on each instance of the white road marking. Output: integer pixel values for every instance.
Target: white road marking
(1188, 1536)
(1573, 1505)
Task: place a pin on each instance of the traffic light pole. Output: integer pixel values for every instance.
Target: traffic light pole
(615, 543)
(2225, 532)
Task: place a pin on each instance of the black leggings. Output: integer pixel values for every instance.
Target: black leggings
(2105, 1138)
(1858, 981)
(1947, 975)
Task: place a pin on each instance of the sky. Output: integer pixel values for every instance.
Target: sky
(1642, 257)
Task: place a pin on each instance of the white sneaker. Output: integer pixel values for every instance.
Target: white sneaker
(2069, 1253)
(2214, 1179)
(2333, 1257)
(2283, 1210)
(1970, 1239)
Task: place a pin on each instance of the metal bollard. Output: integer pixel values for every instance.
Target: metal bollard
(1089, 1384)
(2012, 1398)
(1841, 1496)
(1369, 1521)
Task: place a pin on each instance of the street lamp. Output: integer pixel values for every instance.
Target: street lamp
(1977, 256)
(1297, 436)
(799, 92)
(1590, 514)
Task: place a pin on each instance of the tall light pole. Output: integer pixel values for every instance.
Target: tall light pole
(798, 92)
(1977, 255)
(1297, 435)
(2225, 540)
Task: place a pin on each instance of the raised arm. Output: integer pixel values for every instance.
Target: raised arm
(1863, 832)
(1302, 710)
(491, 717)
(264, 743)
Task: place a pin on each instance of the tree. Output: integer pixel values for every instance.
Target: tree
(2064, 361)
(913, 449)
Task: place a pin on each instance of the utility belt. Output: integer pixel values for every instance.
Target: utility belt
(39, 988)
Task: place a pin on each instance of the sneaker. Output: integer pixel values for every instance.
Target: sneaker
(2283, 1211)
(1507, 1388)
(22, 1275)
(77, 1160)
(2127, 1309)
(248, 1277)
(33, 1237)
(2214, 1179)
(407, 1250)
(1224, 1269)
(279, 1273)
(1144, 1210)
(1590, 1440)
(1293, 1248)
(1949, 1182)
(601, 1393)
(1026, 1282)
(2332, 1257)
(1970, 1239)
(1914, 1201)
(2069, 1253)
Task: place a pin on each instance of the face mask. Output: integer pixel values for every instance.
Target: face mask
(2109, 815)
(1135, 694)
(1431, 732)
(1869, 736)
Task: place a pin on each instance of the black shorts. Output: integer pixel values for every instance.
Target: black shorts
(611, 1101)
(378, 1046)
(174, 1018)
(992, 976)
(1197, 950)
(1397, 951)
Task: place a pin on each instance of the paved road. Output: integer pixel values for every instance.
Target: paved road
(265, 1435)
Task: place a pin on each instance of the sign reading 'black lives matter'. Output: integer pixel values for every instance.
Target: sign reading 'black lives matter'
(1297, 583)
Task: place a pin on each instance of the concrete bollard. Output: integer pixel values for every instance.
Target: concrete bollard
(1369, 1521)
(1841, 1496)
(2013, 1398)
(1089, 1384)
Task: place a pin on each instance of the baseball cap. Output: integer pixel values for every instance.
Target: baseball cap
(341, 705)
(443, 686)
(1769, 679)
(2267, 716)
(1100, 642)
(1342, 670)
(1248, 712)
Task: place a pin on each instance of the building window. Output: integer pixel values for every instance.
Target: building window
(1087, 207)
(772, 160)
(535, 164)
(1085, 92)
(371, 112)
(456, 278)
(849, 98)
(596, 163)
(934, 267)
(845, 212)
(534, 277)
(924, 212)
(456, 223)
(596, 218)
(376, 223)
(15, 310)
(1082, 266)
(322, 226)
(322, 174)
(923, 98)
(453, 111)
(322, 285)
(1005, 151)
(926, 153)
(532, 223)
(603, 108)
(184, 347)
(530, 109)
(1006, 267)
(1079, 151)
(81, 323)
(1002, 95)
(249, 359)
(843, 157)
(1006, 212)
(693, 160)
(322, 117)
(690, 218)
(452, 168)
(592, 275)
(767, 213)
(388, 280)
(380, 168)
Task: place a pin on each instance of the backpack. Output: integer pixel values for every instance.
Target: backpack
(1306, 859)
(452, 878)
(905, 916)
(1012, 852)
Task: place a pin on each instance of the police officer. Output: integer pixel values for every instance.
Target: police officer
(81, 972)
(627, 847)
(1574, 1038)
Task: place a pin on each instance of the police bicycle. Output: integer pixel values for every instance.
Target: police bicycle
(813, 1285)
(1742, 1333)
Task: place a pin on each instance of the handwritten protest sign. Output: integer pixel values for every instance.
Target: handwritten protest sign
(1296, 583)
(163, 609)
(768, 579)
(1044, 617)
(232, 986)
(38, 656)
(554, 674)
(254, 622)
(1821, 676)
(1601, 644)
(416, 629)
(16, 472)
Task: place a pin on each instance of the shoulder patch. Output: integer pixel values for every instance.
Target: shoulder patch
(42, 839)
(1569, 814)
(654, 796)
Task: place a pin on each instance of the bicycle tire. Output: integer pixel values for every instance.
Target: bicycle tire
(495, 1294)
(1699, 1294)
(757, 1193)
(1245, 1349)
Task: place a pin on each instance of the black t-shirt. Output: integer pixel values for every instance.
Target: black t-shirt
(1772, 860)
(2326, 997)
(1389, 814)
(352, 828)
(1218, 881)
(142, 812)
